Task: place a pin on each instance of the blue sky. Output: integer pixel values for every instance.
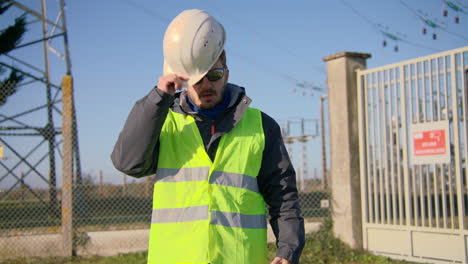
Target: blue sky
(116, 53)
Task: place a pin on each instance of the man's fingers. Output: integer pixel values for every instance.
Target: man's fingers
(276, 260)
(182, 77)
(279, 260)
(179, 83)
(172, 82)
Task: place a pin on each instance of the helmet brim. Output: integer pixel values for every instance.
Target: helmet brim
(193, 79)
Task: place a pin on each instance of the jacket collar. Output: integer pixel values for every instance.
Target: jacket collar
(237, 106)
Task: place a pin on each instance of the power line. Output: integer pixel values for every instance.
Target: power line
(284, 76)
(379, 28)
(270, 41)
(147, 11)
(431, 23)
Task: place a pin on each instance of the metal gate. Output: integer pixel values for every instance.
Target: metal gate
(413, 152)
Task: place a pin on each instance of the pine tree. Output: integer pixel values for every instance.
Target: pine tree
(9, 40)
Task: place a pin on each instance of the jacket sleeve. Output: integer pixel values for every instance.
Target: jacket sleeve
(277, 183)
(136, 150)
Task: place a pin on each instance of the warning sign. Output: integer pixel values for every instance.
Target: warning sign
(430, 142)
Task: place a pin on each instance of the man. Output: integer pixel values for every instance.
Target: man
(218, 162)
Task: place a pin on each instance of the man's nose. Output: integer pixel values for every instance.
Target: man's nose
(205, 82)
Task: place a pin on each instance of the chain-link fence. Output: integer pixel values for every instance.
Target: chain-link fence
(107, 218)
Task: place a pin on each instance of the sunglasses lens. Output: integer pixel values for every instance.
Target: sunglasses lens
(215, 74)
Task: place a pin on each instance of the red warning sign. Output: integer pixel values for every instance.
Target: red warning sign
(430, 142)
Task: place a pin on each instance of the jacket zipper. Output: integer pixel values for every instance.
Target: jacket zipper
(212, 129)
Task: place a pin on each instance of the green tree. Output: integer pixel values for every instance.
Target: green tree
(10, 38)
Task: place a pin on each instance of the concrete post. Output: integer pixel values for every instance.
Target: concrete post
(344, 145)
(67, 167)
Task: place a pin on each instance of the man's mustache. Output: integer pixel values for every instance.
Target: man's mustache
(205, 92)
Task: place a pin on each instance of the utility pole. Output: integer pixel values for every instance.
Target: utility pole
(323, 143)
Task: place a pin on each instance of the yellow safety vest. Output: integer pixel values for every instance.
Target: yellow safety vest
(208, 211)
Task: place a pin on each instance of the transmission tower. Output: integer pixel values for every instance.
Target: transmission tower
(30, 122)
(299, 134)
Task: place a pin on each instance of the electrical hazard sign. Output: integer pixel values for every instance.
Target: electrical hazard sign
(430, 143)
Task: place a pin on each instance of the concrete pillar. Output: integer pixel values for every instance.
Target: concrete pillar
(67, 167)
(344, 145)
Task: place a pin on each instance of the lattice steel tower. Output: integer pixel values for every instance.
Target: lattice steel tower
(30, 120)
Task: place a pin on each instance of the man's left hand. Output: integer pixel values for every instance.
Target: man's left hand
(279, 260)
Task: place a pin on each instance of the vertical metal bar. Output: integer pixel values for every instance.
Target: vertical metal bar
(452, 203)
(369, 158)
(456, 143)
(362, 152)
(436, 196)
(420, 119)
(392, 87)
(65, 37)
(430, 84)
(446, 178)
(381, 148)
(444, 196)
(385, 88)
(429, 195)
(439, 99)
(404, 129)
(437, 117)
(421, 196)
(368, 127)
(416, 84)
(422, 86)
(412, 84)
(421, 82)
(433, 119)
(414, 197)
(400, 189)
(447, 110)
(50, 135)
(374, 150)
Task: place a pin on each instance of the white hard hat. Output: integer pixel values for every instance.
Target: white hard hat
(193, 42)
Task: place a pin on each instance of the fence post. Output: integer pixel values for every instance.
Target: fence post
(344, 143)
(100, 183)
(124, 186)
(67, 167)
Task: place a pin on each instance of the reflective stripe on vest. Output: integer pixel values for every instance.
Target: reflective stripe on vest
(196, 213)
(208, 211)
(199, 174)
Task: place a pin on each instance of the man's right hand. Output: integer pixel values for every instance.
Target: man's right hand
(171, 83)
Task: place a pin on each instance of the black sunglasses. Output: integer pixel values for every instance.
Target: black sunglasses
(214, 75)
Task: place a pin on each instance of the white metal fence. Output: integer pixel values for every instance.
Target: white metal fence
(413, 152)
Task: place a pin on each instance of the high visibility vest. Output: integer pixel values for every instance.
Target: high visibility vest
(208, 211)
